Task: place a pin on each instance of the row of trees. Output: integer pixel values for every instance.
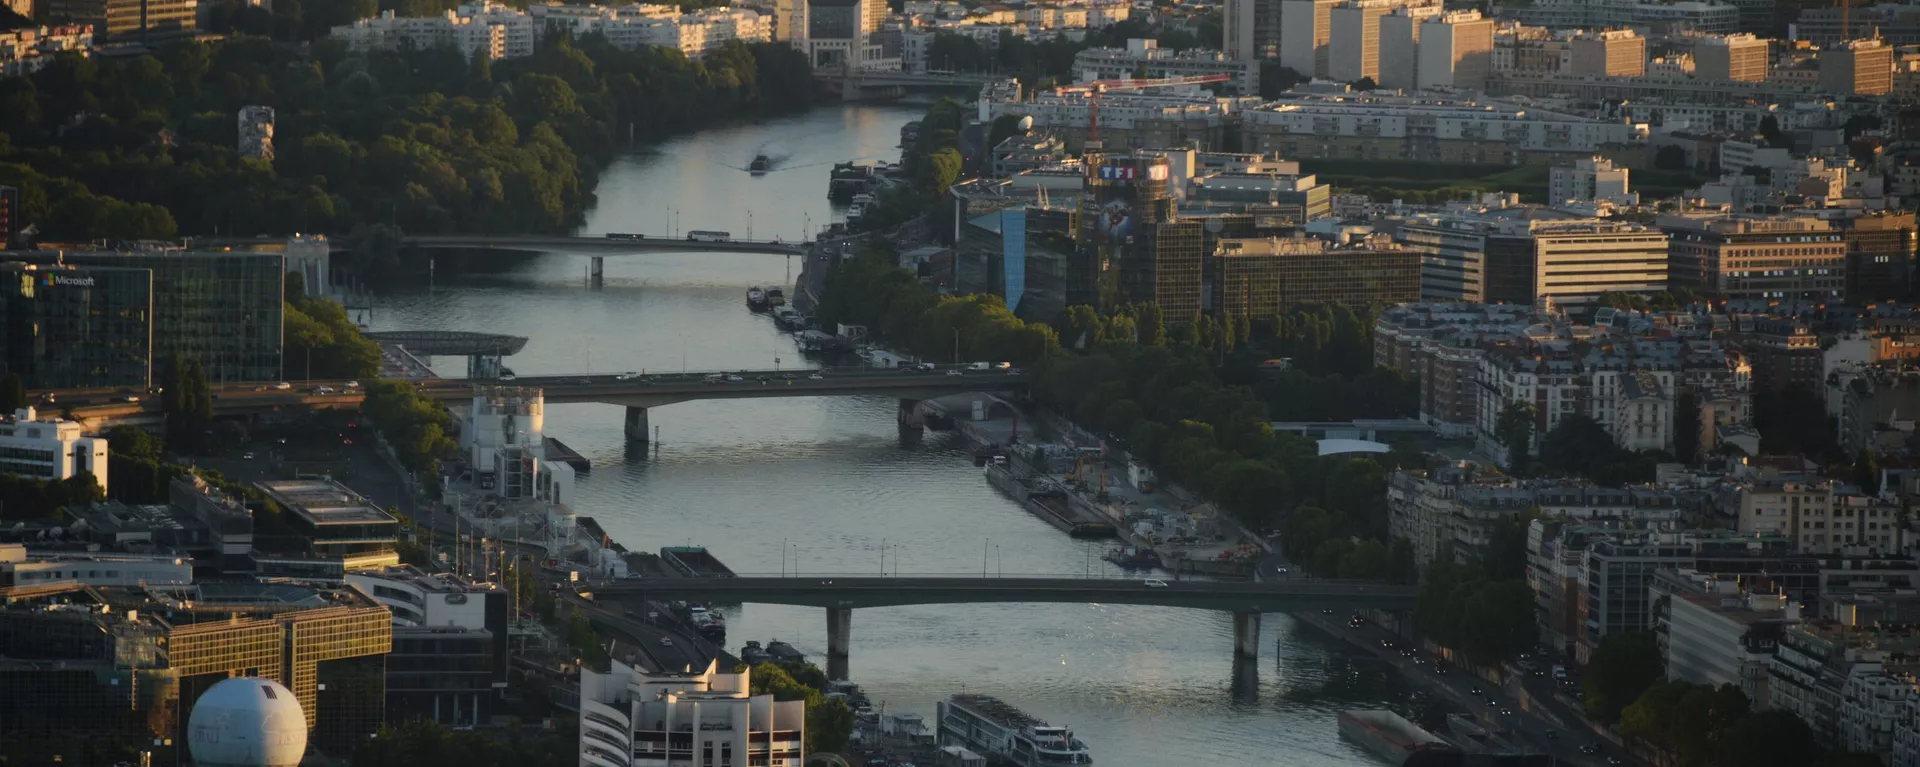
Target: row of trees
(414, 425)
(322, 340)
(870, 290)
(829, 721)
(423, 140)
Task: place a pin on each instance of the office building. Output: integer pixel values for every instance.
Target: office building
(76, 327)
(449, 660)
(149, 21)
(1756, 257)
(1353, 40)
(1127, 219)
(1492, 260)
(1785, 352)
(1714, 631)
(227, 521)
(1455, 51)
(121, 667)
(50, 448)
(1880, 255)
(223, 309)
(1305, 29)
(1590, 179)
(1251, 30)
(1260, 278)
(338, 531)
(23, 567)
(630, 718)
(1820, 518)
(1857, 67)
(1612, 53)
(1731, 57)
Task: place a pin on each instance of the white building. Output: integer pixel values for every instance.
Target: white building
(500, 32)
(391, 32)
(635, 718)
(50, 448)
(1455, 51)
(26, 51)
(1642, 413)
(1309, 121)
(1709, 632)
(505, 439)
(1145, 58)
(1400, 46)
(21, 567)
(1353, 40)
(1591, 179)
(1304, 32)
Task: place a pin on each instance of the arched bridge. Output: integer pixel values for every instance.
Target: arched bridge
(841, 595)
(451, 343)
(600, 246)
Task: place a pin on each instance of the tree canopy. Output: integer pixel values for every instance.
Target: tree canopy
(1619, 671)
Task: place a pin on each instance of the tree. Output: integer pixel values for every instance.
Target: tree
(1514, 429)
(1276, 79)
(1365, 84)
(1620, 670)
(1770, 132)
(1772, 738)
(1670, 157)
(188, 401)
(1866, 472)
(13, 394)
(133, 442)
(1686, 426)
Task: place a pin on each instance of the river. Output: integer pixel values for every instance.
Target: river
(831, 486)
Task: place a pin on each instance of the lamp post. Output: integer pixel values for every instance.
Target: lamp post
(983, 556)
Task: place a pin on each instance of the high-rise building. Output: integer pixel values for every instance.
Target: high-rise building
(1251, 29)
(1740, 57)
(1353, 40)
(73, 327)
(449, 659)
(129, 20)
(1128, 219)
(1456, 51)
(1773, 257)
(1857, 67)
(119, 668)
(1304, 31)
(634, 717)
(221, 309)
(1400, 46)
(1612, 53)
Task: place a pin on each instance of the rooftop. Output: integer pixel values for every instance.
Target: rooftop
(324, 502)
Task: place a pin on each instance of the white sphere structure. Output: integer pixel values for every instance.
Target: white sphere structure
(247, 722)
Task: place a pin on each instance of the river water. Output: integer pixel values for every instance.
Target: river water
(829, 485)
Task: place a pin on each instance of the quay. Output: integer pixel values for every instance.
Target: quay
(558, 451)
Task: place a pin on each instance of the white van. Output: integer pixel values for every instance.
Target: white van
(714, 378)
(980, 366)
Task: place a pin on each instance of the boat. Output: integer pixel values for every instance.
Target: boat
(1400, 742)
(757, 298)
(1144, 559)
(864, 198)
(783, 653)
(856, 211)
(753, 654)
(760, 165)
(991, 727)
(848, 179)
(776, 297)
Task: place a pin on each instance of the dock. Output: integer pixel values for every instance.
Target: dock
(558, 451)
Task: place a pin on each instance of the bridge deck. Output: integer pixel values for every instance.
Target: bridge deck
(867, 591)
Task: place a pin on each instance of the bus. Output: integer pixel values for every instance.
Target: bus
(697, 235)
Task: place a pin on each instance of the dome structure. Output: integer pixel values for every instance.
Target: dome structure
(247, 722)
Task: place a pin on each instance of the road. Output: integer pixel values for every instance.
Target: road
(869, 591)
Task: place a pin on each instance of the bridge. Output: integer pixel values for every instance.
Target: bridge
(863, 84)
(840, 596)
(451, 343)
(600, 246)
(637, 393)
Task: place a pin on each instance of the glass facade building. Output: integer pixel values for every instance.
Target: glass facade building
(70, 328)
(224, 309)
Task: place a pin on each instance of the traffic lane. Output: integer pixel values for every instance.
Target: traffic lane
(1460, 686)
(666, 647)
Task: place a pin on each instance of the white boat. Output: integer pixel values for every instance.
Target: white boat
(864, 198)
(990, 726)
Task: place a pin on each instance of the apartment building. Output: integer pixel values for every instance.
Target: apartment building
(1353, 40)
(1858, 67)
(1714, 631)
(1382, 127)
(1439, 345)
(119, 21)
(1507, 260)
(26, 51)
(1145, 58)
(1251, 29)
(1305, 29)
(633, 717)
(1611, 53)
(1820, 516)
(1590, 179)
(1757, 257)
(1784, 352)
(1454, 50)
(1740, 57)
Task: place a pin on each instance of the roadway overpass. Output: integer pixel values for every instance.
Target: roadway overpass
(840, 596)
(104, 407)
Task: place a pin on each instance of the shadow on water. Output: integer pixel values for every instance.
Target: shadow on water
(1246, 681)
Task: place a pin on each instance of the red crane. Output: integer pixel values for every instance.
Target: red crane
(1096, 88)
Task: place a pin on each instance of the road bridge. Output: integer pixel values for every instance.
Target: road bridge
(599, 248)
(637, 393)
(482, 350)
(840, 596)
(863, 85)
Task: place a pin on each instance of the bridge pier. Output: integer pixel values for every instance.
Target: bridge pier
(909, 414)
(597, 271)
(1246, 635)
(839, 636)
(637, 426)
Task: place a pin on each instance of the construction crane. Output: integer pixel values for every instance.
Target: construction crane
(1096, 88)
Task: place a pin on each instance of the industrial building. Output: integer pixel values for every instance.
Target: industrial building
(338, 531)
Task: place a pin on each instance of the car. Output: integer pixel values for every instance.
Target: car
(507, 376)
(816, 377)
(261, 387)
(1589, 749)
(1003, 366)
(734, 379)
(322, 390)
(1284, 571)
(954, 373)
(1474, 691)
(666, 641)
(1506, 712)
(1327, 611)
(351, 384)
(1614, 760)
(924, 366)
(627, 376)
(247, 456)
(1154, 583)
(282, 386)
(132, 398)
